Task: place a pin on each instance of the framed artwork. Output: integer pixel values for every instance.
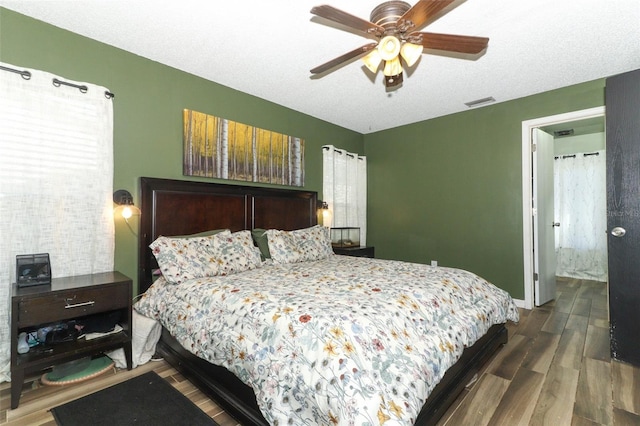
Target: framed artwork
(219, 148)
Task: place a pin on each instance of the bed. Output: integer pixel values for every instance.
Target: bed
(178, 208)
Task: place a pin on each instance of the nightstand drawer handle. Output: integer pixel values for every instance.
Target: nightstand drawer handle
(77, 305)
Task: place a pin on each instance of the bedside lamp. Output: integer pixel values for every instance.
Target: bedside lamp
(125, 208)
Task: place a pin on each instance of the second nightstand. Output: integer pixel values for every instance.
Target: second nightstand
(355, 251)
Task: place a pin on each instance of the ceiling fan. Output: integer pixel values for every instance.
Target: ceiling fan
(394, 25)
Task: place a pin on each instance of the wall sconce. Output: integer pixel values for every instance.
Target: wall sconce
(125, 208)
(327, 214)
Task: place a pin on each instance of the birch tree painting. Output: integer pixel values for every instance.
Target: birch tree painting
(219, 148)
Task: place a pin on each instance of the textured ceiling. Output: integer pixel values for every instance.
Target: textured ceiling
(266, 48)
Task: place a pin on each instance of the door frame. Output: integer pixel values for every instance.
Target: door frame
(527, 189)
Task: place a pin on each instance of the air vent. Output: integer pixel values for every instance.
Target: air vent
(479, 102)
(562, 133)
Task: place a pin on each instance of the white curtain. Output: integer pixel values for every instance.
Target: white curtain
(344, 188)
(56, 180)
(580, 204)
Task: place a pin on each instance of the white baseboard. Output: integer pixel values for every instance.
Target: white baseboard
(520, 303)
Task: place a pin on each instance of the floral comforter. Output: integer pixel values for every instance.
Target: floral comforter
(343, 340)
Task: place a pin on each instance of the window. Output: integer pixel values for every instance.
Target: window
(56, 179)
(344, 188)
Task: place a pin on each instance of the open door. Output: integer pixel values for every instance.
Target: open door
(543, 218)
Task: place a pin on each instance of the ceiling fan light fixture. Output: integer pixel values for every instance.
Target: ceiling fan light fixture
(396, 24)
(372, 60)
(389, 47)
(411, 53)
(392, 67)
(393, 80)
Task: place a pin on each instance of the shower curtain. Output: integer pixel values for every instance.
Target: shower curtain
(580, 209)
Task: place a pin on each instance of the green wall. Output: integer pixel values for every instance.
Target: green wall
(582, 143)
(450, 189)
(148, 108)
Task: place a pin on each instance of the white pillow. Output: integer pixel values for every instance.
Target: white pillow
(181, 259)
(312, 243)
(234, 252)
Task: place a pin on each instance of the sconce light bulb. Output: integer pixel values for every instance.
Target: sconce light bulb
(327, 216)
(127, 212)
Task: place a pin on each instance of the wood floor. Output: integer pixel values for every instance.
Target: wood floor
(555, 370)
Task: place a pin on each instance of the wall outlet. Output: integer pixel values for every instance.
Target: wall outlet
(434, 263)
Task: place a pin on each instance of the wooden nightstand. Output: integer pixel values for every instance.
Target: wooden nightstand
(66, 299)
(355, 251)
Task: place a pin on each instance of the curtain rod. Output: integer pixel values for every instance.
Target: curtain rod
(24, 73)
(57, 83)
(586, 154)
(340, 151)
(27, 76)
(82, 88)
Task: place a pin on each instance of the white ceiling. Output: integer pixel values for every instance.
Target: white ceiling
(266, 48)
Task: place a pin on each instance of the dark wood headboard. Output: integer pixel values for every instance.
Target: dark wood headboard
(177, 207)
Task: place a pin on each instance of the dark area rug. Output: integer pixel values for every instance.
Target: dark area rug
(144, 400)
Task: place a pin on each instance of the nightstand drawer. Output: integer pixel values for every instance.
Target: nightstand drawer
(71, 304)
(368, 251)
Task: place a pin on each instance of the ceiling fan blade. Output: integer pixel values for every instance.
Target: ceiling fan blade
(421, 14)
(351, 21)
(452, 43)
(340, 59)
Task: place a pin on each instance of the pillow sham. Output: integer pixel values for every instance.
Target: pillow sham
(260, 238)
(312, 243)
(234, 252)
(184, 258)
(283, 247)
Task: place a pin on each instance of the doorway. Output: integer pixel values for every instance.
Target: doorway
(529, 228)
